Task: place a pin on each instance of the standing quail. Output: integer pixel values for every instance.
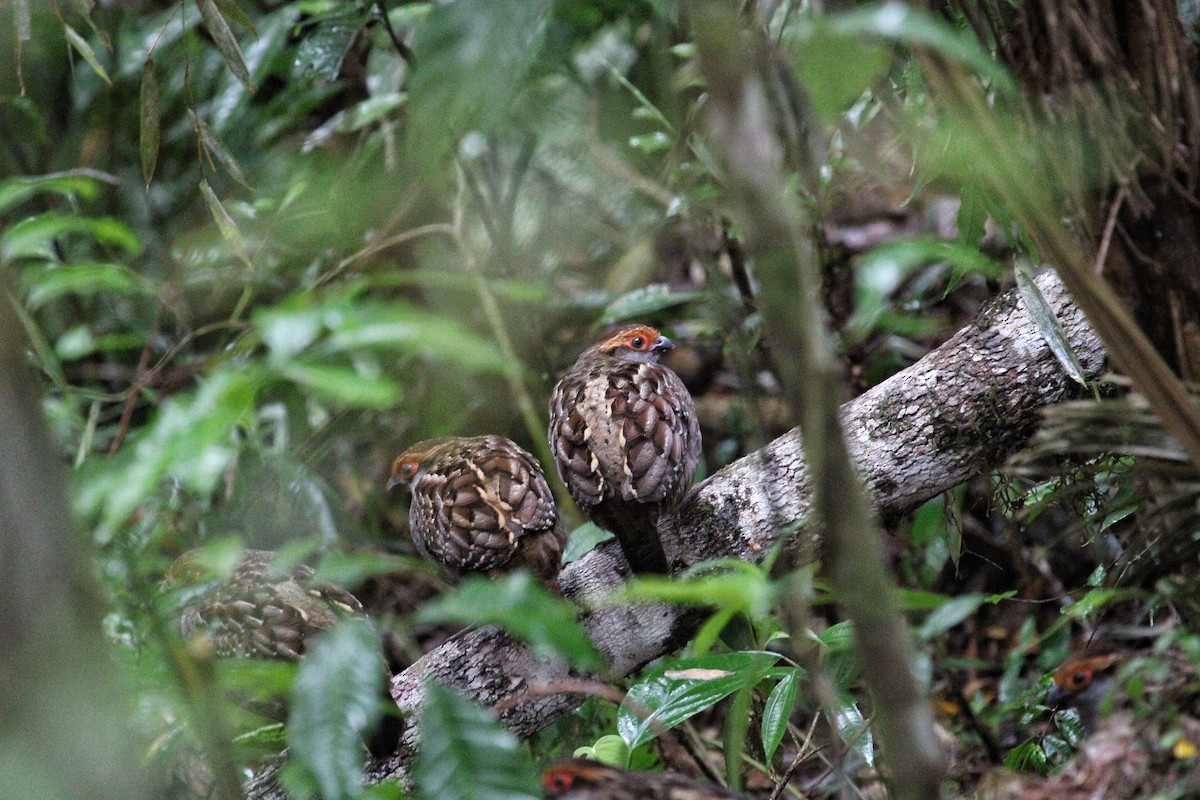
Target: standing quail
(255, 613)
(480, 504)
(626, 440)
(583, 779)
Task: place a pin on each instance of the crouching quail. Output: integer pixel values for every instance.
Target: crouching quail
(625, 439)
(257, 613)
(480, 504)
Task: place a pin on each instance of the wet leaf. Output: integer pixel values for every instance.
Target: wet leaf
(659, 702)
(777, 711)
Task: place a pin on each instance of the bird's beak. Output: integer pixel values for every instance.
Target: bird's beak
(662, 345)
(392, 483)
(1056, 696)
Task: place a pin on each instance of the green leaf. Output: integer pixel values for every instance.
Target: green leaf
(225, 224)
(232, 11)
(223, 37)
(15, 191)
(344, 385)
(837, 68)
(520, 606)
(644, 302)
(49, 282)
(853, 729)
(466, 755)
(609, 749)
(675, 692)
(583, 540)
(325, 47)
(217, 148)
(1048, 325)
(901, 23)
(34, 237)
(84, 49)
(472, 57)
(949, 614)
(336, 700)
(777, 711)
(150, 127)
(191, 439)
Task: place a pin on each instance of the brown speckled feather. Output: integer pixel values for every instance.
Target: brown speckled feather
(625, 438)
(256, 614)
(481, 504)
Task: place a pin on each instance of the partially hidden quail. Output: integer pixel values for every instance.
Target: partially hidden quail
(480, 504)
(256, 613)
(626, 440)
(583, 779)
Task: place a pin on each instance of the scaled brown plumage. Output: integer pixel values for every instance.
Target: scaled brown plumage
(481, 504)
(625, 439)
(257, 613)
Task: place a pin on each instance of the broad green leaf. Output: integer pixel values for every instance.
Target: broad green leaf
(777, 711)
(1048, 325)
(150, 130)
(395, 327)
(226, 43)
(49, 282)
(344, 385)
(225, 224)
(15, 191)
(953, 611)
(336, 700)
(84, 49)
(670, 694)
(466, 755)
(1027, 757)
(837, 68)
(34, 237)
(642, 303)
(520, 606)
(352, 325)
(472, 57)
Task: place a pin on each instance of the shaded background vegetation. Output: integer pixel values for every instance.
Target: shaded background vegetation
(257, 248)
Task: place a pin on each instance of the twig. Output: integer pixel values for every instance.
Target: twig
(1109, 226)
(139, 379)
(404, 50)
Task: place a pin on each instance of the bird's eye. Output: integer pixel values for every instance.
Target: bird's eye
(559, 781)
(637, 342)
(1080, 678)
(408, 469)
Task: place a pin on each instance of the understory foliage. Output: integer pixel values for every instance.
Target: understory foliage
(257, 248)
